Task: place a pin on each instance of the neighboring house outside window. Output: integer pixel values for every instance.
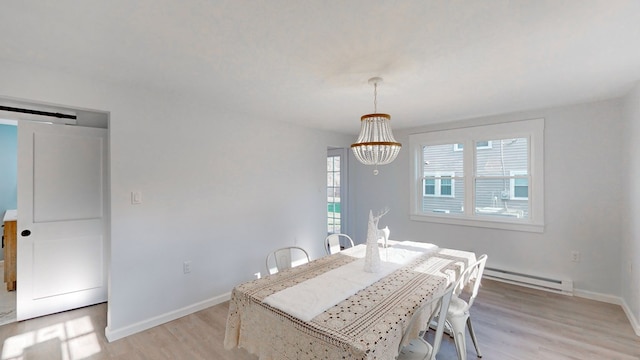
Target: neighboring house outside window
(489, 176)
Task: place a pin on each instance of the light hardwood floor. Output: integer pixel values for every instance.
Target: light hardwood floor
(511, 323)
(7, 300)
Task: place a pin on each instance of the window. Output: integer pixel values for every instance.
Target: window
(519, 185)
(436, 184)
(333, 194)
(429, 187)
(487, 176)
(336, 192)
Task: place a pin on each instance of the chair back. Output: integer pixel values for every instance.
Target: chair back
(436, 308)
(472, 273)
(334, 243)
(285, 258)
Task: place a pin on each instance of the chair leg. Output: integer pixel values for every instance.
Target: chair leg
(459, 331)
(473, 336)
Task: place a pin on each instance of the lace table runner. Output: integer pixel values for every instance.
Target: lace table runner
(310, 298)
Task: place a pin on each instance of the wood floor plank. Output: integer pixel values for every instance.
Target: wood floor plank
(511, 322)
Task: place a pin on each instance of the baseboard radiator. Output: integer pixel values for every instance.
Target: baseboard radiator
(536, 282)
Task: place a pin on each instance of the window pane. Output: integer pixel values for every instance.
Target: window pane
(445, 186)
(333, 179)
(521, 191)
(521, 182)
(334, 207)
(442, 163)
(493, 199)
(520, 188)
(496, 184)
(444, 204)
(442, 159)
(504, 156)
(429, 186)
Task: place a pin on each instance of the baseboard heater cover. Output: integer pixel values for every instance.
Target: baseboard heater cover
(531, 281)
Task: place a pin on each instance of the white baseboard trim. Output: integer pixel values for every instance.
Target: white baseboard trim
(611, 300)
(115, 334)
(632, 319)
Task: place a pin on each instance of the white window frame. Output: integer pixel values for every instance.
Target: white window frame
(533, 130)
(438, 183)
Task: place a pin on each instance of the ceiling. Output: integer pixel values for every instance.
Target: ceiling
(308, 62)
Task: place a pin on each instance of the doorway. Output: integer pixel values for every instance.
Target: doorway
(8, 203)
(83, 119)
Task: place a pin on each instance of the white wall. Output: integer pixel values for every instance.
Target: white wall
(582, 203)
(630, 255)
(218, 189)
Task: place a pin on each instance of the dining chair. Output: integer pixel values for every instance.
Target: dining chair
(334, 243)
(419, 348)
(285, 258)
(458, 313)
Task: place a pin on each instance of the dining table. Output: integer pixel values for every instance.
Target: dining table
(331, 308)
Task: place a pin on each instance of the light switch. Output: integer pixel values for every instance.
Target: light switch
(136, 197)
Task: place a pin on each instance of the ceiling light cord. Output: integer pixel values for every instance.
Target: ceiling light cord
(375, 97)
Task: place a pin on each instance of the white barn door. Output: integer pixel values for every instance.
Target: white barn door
(62, 187)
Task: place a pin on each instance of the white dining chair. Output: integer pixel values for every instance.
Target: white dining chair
(458, 318)
(418, 348)
(285, 258)
(335, 243)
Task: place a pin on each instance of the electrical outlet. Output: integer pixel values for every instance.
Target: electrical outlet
(186, 267)
(257, 275)
(575, 256)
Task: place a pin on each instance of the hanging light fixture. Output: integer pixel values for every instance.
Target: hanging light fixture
(375, 144)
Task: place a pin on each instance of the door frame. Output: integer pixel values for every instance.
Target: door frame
(84, 118)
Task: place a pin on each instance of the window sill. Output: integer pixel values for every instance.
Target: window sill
(475, 222)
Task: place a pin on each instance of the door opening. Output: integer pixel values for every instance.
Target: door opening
(44, 247)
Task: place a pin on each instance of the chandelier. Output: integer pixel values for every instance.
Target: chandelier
(375, 144)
